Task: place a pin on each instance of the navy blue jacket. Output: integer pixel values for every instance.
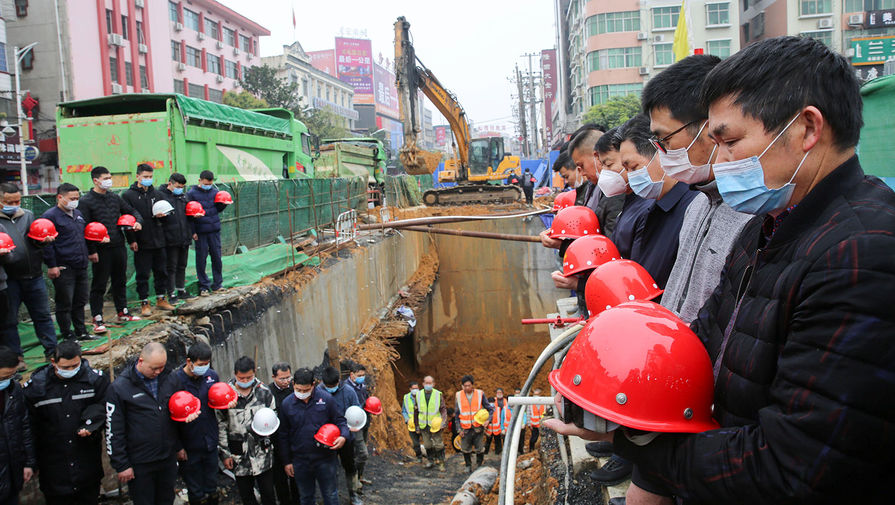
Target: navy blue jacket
(210, 222)
(16, 442)
(344, 398)
(299, 421)
(201, 434)
(70, 248)
(359, 389)
(106, 208)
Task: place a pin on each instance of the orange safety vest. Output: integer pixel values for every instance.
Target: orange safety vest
(535, 415)
(467, 409)
(498, 426)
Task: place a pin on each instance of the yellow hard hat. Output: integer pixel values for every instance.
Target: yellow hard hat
(435, 424)
(410, 425)
(481, 417)
(457, 442)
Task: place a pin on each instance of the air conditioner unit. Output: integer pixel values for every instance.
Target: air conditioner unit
(116, 88)
(139, 3)
(658, 38)
(178, 27)
(642, 36)
(181, 66)
(856, 19)
(200, 36)
(115, 39)
(644, 71)
(143, 48)
(825, 23)
(219, 44)
(236, 51)
(219, 78)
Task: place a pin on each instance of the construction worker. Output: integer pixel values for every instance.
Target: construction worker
(496, 429)
(432, 413)
(528, 186)
(535, 414)
(357, 377)
(469, 406)
(281, 387)
(17, 459)
(408, 410)
(344, 397)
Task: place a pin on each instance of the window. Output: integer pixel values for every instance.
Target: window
(193, 57)
(191, 19)
(664, 54)
(27, 59)
(868, 5)
(229, 37)
(244, 43)
(110, 25)
(144, 78)
(599, 94)
(21, 8)
(140, 39)
(197, 90)
(175, 50)
(113, 68)
(627, 21)
(129, 73)
(328, 89)
(810, 7)
(214, 64)
(215, 95)
(232, 69)
(717, 14)
(124, 27)
(178, 87)
(619, 57)
(304, 87)
(719, 48)
(3, 66)
(172, 13)
(211, 29)
(825, 36)
(665, 18)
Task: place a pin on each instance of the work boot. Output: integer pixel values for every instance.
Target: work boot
(615, 471)
(440, 459)
(429, 463)
(355, 500)
(419, 459)
(599, 449)
(479, 459)
(145, 308)
(467, 457)
(162, 303)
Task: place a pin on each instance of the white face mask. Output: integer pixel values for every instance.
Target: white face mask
(579, 179)
(676, 163)
(302, 396)
(612, 183)
(71, 204)
(106, 184)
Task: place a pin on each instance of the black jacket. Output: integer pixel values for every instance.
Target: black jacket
(16, 443)
(139, 428)
(152, 235)
(26, 260)
(106, 209)
(178, 231)
(70, 247)
(202, 433)
(67, 462)
(805, 392)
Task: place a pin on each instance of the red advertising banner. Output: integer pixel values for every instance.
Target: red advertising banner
(440, 135)
(386, 92)
(324, 60)
(354, 64)
(548, 70)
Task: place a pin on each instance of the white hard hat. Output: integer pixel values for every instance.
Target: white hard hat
(356, 418)
(162, 207)
(265, 422)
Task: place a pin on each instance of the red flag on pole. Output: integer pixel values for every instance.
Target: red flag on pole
(293, 17)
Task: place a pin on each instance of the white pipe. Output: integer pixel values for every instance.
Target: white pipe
(512, 401)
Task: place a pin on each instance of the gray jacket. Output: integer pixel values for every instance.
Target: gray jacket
(708, 232)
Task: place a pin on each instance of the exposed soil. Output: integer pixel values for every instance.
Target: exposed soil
(534, 486)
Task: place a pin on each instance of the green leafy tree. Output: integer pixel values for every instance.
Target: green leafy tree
(243, 100)
(614, 112)
(263, 82)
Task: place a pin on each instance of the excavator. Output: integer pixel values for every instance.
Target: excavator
(473, 168)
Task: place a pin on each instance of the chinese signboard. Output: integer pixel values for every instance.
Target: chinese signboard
(9, 153)
(872, 50)
(880, 19)
(386, 92)
(354, 64)
(440, 135)
(324, 60)
(548, 70)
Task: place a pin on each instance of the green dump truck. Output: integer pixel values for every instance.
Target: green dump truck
(875, 149)
(353, 157)
(175, 133)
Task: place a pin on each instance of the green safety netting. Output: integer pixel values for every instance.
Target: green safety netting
(875, 147)
(405, 190)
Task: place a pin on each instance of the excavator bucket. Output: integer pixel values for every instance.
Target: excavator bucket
(419, 162)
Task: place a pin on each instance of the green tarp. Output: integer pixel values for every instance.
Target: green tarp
(195, 109)
(875, 148)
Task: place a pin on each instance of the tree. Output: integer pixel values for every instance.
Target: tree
(243, 100)
(263, 83)
(614, 112)
(321, 122)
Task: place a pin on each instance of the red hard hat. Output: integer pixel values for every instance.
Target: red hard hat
(194, 209)
(617, 282)
(6, 242)
(640, 366)
(587, 253)
(223, 197)
(220, 396)
(327, 434)
(96, 232)
(41, 229)
(183, 404)
(575, 222)
(373, 406)
(127, 221)
(563, 200)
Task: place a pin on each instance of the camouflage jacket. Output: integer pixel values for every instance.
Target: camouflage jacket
(252, 454)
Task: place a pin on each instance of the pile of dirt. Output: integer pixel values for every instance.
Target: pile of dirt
(534, 485)
(459, 210)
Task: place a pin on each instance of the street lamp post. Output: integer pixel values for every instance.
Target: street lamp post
(19, 54)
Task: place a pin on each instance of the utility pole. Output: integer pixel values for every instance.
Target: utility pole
(526, 151)
(23, 171)
(533, 103)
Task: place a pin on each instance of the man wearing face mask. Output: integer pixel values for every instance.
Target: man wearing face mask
(409, 411)
(344, 397)
(247, 455)
(357, 377)
(66, 260)
(199, 464)
(109, 260)
(583, 154)
(149, 256)
(432, 413)
(281, 387)
(207, 233)
(69, 443)
(678, 122)
(17, 460)
(178, 236)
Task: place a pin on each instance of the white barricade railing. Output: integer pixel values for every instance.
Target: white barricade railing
(346, 227)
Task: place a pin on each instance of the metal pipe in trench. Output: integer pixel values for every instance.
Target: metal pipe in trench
(446, 219)
(477, 234)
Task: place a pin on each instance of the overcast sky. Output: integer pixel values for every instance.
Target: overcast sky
(471, 46)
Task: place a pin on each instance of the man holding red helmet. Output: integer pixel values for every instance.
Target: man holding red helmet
(207, 231)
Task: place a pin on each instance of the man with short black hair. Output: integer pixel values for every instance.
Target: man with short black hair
(149, 256)
(409, 411)
(178, 236)
(102, 205)
(583, 154)
(67, 405)
(66, 259)
(207, 233)
(281, 387)
(357, 379)
(17, 459)
(470, 401)
(344, 397)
